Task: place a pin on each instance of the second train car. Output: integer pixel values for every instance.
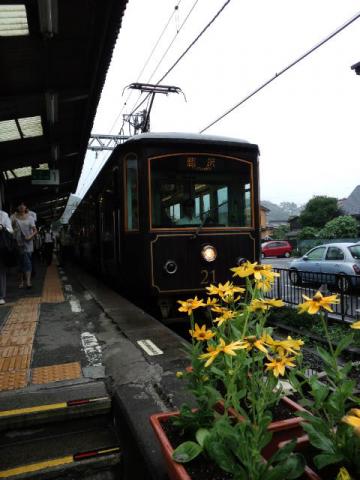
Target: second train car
(169, 214)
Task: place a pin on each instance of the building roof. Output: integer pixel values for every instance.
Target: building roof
(54, 59)
(351, 205)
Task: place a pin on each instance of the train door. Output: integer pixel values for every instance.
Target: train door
(108, 233)
(117, 217)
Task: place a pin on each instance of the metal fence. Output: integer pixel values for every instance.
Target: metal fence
(291, 290)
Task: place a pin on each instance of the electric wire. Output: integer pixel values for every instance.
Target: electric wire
(172, 41)
(197, 38)
(147, 61)
(81, 187)
(277, 75)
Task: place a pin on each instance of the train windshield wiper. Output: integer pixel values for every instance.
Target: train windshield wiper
(206, 216)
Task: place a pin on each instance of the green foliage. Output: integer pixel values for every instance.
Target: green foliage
(318, 211)
(308, 233)
(186, 452)
(280, 232)
(344, 226)
(327, 404)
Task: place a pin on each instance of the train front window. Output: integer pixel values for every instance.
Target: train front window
(200, 190)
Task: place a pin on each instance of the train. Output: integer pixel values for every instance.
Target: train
(169, 214)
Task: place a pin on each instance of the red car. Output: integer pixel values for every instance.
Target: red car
(276, 248)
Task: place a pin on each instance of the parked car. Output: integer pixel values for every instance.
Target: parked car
(334, 263)
(276, 248)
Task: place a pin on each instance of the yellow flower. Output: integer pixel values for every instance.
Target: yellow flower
(278, 365)
(179, 374)
(226, 290)
(343, 474)
(190, 304)
(260, 272)
(353, 419)
(212, 302)
(356, 325)
(201, 334)
(226, 315)
(213, 352)
(250, 342)
(261, 305)
(290, 345)
(313, 305)
(263, 285)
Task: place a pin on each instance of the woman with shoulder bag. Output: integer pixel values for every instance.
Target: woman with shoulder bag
(25, 230)
(6, 224)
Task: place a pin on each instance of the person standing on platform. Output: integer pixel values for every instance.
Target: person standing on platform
(25, 230)
(66, 245)
(48, 244)
(4, 223)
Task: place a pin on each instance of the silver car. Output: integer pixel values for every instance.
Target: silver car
(334, 263)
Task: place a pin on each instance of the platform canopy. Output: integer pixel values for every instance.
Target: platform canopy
(54, 56)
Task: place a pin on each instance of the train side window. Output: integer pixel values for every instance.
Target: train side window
(132, 193)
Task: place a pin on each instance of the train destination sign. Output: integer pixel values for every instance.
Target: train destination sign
(199, 163)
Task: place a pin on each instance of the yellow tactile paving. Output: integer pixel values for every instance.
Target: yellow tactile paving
(13, 380)
(19, 362)
(52, 291)
(56, 373)
(15, 351)
(17, 336)
(19, 329)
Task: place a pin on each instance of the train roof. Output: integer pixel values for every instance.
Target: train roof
(186, 137)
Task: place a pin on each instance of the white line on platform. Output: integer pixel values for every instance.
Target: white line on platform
(75, 305)
(149, 347)
(88, 296)
(68, 288)
(92, 349)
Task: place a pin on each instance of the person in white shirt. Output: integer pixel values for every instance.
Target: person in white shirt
(4, 223)
(188, 214)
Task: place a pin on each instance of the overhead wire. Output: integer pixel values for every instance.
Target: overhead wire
(285, 69)
(197, 38)
(148, 60)
(81, 188)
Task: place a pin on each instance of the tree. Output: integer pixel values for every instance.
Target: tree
(280, 232)
(307, 233)
(318, 211)
(344, 226)
(290, 208)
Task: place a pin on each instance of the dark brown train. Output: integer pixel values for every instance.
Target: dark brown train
(169, 214)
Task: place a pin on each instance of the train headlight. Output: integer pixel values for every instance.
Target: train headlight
(170, 267)
(209, 253)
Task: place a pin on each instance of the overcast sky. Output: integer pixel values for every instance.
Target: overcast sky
(306, 122)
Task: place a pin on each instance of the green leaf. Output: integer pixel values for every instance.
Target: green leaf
(292, 468)
(326, 356)
(324, 459)
(282, 453)
(221, 455)
(186, 452)
(216, 371)
(201, 435)
(344, 343)
(318, 439)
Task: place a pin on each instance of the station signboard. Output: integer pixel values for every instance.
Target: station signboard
(45, 177)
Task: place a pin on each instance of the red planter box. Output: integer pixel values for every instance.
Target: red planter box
(283, 430)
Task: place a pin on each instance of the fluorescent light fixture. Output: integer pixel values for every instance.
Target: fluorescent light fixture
(13, 21)
(20, 128)
(51, 100)
(31, 126)
(48, 17)
(9, 131)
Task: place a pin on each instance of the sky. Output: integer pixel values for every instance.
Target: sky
(305, 122)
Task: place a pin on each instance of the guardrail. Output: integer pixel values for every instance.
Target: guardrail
(291, 288)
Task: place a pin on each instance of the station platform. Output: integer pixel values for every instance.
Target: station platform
(81, 371)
